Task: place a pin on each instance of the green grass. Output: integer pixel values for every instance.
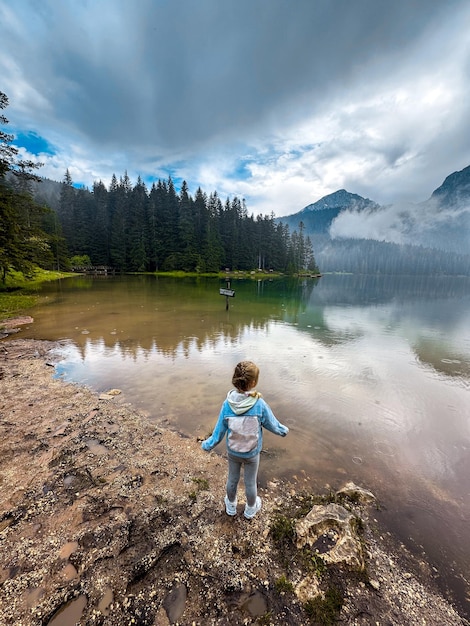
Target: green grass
(20, 292)
(231, 274)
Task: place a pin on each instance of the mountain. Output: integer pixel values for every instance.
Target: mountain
(318, 217)
(352, 233)
(455, 190)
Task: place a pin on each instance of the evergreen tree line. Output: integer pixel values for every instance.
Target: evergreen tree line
(133, 229)
(369, 256)
(24, 242)
(130, 228)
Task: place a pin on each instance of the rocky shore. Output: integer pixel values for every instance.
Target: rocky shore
(107, 518)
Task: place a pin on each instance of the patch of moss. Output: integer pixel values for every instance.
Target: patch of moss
(302, 503)
(265, 620)
(282, 530)
(314, 563)
(357, 526)
(325, 610)
(202, 483)
(283, 585)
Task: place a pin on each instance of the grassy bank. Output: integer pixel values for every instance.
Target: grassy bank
(19, 292)
(231, 274)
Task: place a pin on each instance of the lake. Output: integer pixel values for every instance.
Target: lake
(371, 374)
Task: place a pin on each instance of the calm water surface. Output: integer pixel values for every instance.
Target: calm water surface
(372, 375)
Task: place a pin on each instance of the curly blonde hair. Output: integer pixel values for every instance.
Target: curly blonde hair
(245, 376)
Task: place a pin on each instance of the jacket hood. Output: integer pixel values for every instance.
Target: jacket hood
(241, 402)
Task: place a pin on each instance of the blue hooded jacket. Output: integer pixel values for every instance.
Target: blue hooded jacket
(242, 418)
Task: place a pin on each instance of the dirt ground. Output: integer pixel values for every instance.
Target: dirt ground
(108, 519)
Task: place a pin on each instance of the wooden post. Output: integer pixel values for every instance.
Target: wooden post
(227, 292)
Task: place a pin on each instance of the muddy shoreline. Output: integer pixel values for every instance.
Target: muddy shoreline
(115, 520)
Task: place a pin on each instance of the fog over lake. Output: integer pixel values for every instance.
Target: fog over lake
(371, 374)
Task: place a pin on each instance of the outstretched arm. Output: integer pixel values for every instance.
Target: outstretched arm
(270, 422)
(218, 434)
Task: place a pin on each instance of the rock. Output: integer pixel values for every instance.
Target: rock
(308, 588)
(359, 494)
(16, 321)
(109, 395)
(329, 530)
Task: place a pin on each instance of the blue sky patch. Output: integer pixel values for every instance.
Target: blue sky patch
(241, 171)
(33, 143)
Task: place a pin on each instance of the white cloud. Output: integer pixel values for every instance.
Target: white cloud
(251, 99)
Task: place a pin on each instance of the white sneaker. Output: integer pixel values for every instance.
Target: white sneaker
(230, 507)
(250, 511)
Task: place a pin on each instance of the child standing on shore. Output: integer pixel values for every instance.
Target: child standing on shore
(242, 417)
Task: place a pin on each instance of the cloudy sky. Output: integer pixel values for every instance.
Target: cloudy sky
(277, 101)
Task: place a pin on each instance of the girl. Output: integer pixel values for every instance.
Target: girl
(241, 418)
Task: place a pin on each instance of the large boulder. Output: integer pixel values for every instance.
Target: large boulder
(331, 532)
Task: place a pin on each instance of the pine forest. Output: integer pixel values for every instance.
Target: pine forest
(132, 229)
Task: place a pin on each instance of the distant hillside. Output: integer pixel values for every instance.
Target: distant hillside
(352, 233)
(45, 191)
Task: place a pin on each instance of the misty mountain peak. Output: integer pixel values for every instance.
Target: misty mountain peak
(455, 189)
(341, 200)
(317, 217)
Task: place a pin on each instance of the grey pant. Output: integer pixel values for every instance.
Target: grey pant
(250, 475)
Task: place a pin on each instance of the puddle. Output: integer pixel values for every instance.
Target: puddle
(111, 428)
(33, 595)
(6, 522)
(96, 447)
(60, 430)
(69, 572)
(4, 575)
(175, 603)
(256, 604)
(69, 480)
(68, 549)
(106, 601)
(69, 614)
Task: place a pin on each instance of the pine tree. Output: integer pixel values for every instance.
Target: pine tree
(23, 243)
(99, 234)
(187, 234)
(66, 208)
(214, 252)
(118, 240)
(138, 227)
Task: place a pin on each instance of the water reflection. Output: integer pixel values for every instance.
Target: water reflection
(169, 316)
(372, 375)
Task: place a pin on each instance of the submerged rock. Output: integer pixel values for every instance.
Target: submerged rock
(355, 493)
